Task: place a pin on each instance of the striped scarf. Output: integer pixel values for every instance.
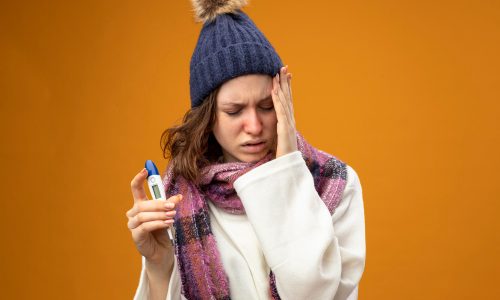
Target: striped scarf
(199, 262)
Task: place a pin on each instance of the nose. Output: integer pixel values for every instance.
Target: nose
(253, 123)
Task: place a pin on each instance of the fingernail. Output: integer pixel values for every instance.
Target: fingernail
(169, 205)
(169, 221)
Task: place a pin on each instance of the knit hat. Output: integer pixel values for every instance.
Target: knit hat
(229, 45)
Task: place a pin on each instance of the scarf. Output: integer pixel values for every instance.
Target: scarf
(200, 267)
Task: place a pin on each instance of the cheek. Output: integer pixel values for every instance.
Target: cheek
(225, 129)
(270, 120)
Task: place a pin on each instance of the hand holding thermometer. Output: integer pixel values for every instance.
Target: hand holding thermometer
(156, 188)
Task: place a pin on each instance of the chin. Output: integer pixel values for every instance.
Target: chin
(248, 157)
(252, 158)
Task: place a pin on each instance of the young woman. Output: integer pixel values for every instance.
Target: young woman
(258, 213)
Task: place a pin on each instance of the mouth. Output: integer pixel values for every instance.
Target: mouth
(254, 146)
(255, 142)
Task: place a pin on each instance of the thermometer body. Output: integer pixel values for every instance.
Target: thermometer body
(156, 188)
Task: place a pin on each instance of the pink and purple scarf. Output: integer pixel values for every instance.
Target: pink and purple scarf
(201, 270)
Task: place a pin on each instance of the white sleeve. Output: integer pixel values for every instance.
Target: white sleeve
(313, 255)
(174, 286)
(349, 225)
(142, 291)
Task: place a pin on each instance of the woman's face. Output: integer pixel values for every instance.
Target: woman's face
(245, 125)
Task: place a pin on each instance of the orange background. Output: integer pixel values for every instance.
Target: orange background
(406, 93)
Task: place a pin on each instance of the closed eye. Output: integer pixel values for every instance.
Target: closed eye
(233, 113)
(267, 108)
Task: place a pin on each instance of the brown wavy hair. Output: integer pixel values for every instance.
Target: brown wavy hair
(192, 145)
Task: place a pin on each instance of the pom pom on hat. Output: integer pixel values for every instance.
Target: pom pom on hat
(208, 10)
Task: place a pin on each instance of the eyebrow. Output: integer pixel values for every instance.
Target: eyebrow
(236, 103)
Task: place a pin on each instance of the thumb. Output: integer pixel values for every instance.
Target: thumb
(175, 199)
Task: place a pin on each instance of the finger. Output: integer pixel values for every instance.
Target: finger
(149, 206)
(289, 80)
(150, 216)
(286, 108)
(175, 200)
(289, 77)
(148, 227)
(137, 186)
(284, 83)
(144, 217)
(278, 105)
(289, 85)
(154, 205)
(287, 95)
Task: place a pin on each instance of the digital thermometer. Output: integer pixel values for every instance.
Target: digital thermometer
(156, 188)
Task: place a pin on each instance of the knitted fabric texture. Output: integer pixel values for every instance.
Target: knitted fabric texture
(228, 47)
(200, 267)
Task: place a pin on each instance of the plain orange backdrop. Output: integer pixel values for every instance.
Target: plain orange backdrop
(406, 92)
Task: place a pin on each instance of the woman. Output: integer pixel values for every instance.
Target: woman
(258, 213)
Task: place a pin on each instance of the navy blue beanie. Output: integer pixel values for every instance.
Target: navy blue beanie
(229, 45)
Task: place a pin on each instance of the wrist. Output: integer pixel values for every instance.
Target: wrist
(159, 278)
(159, 269)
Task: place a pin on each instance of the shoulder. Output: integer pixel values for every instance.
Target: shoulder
(335, 168)
(351, 203)
(353, 182)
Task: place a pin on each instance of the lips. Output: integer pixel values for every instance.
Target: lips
(252, 143)
(254, 146)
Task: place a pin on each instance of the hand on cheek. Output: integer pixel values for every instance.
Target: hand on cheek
(282, 99)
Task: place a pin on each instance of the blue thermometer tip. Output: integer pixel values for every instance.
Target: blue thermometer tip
(151, 167)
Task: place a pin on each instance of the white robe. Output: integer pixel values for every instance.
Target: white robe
(287, 228)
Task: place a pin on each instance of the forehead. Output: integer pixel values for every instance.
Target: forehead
(245, 88)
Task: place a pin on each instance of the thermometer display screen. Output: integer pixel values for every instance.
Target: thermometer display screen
(156, 190)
